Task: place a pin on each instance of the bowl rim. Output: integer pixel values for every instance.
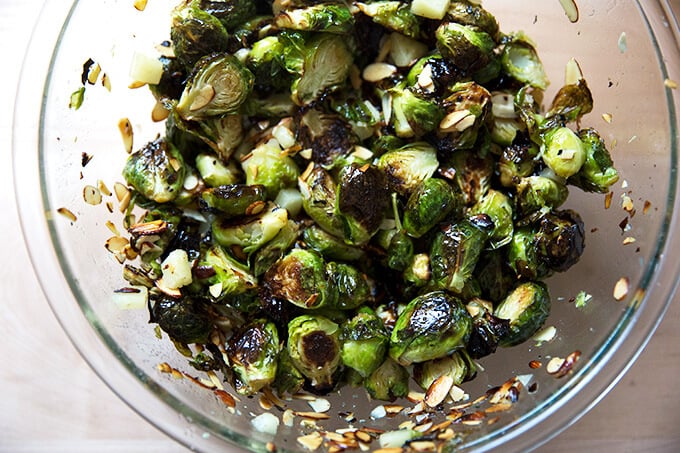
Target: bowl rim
(125, 379)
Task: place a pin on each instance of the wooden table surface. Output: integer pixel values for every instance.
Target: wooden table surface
(52, 401)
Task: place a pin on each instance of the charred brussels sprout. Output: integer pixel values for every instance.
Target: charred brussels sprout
(219, 85)
(266, 62)
(264, 258)
(234, 200)
(328, 135)
(320, 63)
(185, 320)
(288, 378)
(300, 278)
(393, 15)
(526, 308)
(516, 161)
(521, 61)
(471, 173)
(487, 329)
(388, 382)
(223, 134)
(156, 171)
(214, 172)
(432, 75)
(429, 204)
(195, 33)
(469, 13)
(268, 166)
(413, 116)
(498, 206)
(252, 353)
(431, 326)
(467, 48)
(326, 17)
(348, 288)
(364, 343)
(563, 151)
(407, 167)
(456, 249)
(231, 13)
(458, 366)
(314, 348)
(572, 101)
(597, 173)
(224, 275)
(251, 233)
(523, 255)
(331, 247)
(560, 239)
(319, 200)
(467, 110)
(538, 192)
(362, 198)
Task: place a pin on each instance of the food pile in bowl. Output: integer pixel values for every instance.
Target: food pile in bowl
(354, 194)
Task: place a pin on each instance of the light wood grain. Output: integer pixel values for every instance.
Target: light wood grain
(52, 401)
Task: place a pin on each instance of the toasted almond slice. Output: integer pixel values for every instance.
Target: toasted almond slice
(312, 415)
(92, 195)
(148, 228)
(375, 72)
(139, 4)
(438, 390)
(203, 98)
(159, 112)
(126, 134)
(311, 441)
(458, 120)
(570, 9)
(621, 288)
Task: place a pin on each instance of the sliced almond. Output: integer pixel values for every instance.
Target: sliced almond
(572, 72)
(205, 94)
(311, 441)
(139, 5)
(126, 134)
(458, 120)
(375, 72)
(570, 9)
(92, 195)
(438, 390)
(148, 228)
(159, 112)
(621, 288)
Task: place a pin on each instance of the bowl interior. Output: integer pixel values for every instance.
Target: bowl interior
(617, 46)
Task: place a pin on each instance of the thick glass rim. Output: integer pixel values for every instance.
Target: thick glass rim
(592, 381)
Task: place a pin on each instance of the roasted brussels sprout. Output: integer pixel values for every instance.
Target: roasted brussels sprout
(364, 343)
(407, 167)
(265, 257)
(195, 33)
(328, 135)
(413, 116)
(597, 173)
(320, 63)
(268, 166)
(535, 193)
(398, 249)
(319, 200)
(432, 75)
(458, 366)
(348, 288)
(266, 62)
(326, 17)
(219, 85)
(331, 247)
(560, 239)
(253, 356)
(156, 171)
(300, 278)
(563, 151)
(251, 233)
(496, 278)
(469, 49)
(431, 326)
(470, 13)
(393, 15)
(288, 378)
(223, 134)
(526, 308)
(521, 61)
(234, 200)
(224, 275)
(185, 320)
(572, 101)
(231, 13)
(499, 207)
(456, 249)
(467, 109)
(487, 329)
(314, 348)
(471, 173)
(523, 256)
(362, 198)
(388, 382)
(214, 172)
(517, 161)
(429, 204)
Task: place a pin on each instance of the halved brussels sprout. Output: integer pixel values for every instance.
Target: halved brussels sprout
(195, 33)
(219, 85)
(266, 62)
(538, 192)
(253, 356)
(314, 348)
(265, 257)
(252, 233)
(560, 239)
(407, 167)
(498, 206)
(156, 171)
(393, 15)
(328, 135)
(388, 382)
(467, 110)
(411, 115)
(429, 204)
(526, 308)
(348, 288)
(326, 17)
(300, 278)
(471, 173)
(268, 166)
(214, 172)
(572, 101)
(331, 247)
(364, 343)
(521, 61)
(318, 190)
(224, 275)
(223, 134)
(517, 161)
(231, 13)
(472, 13)
(458, 366)
(456, 249)
(431, 326)
(469, 49)
(597, 173)
(563, 151)
(362, 198)
(234, 200)
(185, 320)
(523, 256)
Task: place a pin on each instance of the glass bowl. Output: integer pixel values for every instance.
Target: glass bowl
(628, 52)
